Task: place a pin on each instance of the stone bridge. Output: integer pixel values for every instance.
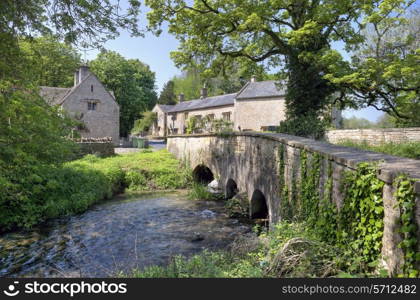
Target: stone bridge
(262, 165)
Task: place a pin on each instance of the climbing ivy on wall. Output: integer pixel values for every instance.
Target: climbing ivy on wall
(356, 226)
(406, 203)
(360, 220)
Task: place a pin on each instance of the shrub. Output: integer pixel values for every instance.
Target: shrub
(201, 192)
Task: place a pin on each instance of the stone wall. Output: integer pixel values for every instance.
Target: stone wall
(259, 161)
(100, 149)
(374, 136)
(252, 114)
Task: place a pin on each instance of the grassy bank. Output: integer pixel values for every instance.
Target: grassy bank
(35, 193)
(288, 250)
(409, 149)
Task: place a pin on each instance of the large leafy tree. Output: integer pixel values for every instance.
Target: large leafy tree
(384, 71)
(132, 82)
(50, 61)
(290, 33)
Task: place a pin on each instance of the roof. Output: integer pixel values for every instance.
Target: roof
(165, 107)
(222, 100)
(53, 95)
(262, 89)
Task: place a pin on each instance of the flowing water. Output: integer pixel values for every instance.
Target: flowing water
(119, 235)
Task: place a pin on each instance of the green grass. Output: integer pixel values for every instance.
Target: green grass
(34, 193)
(200, 191)
(408, 150)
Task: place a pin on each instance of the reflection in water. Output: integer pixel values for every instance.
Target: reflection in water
(119, 235)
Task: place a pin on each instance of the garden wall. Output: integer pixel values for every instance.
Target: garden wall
(374, 136)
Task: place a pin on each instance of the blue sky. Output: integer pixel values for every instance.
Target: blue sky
(155, 51)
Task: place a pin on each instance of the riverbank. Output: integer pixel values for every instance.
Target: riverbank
(52, 191)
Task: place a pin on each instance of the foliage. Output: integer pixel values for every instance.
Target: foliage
(285, 33)
(145, 123)
(89, 22)
(33, 193)
(193, 124)
(357, 123)
(360, 220)
(407, 204)
(191, 80)
(200, 191)
(50, 62)
(384, 70)
(406, 149)
(237, 207)
(309, 125)
(167, 95)
(132, 82)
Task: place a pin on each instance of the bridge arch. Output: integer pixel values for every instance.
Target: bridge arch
(202, 174)
(258, 206)
(231, 188)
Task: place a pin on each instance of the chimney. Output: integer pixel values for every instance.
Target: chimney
(83, 72)
(76, 77)
(181, 97)
(203, 92)
(253, 78)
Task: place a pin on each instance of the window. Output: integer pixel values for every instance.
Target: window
(173, 117)
(185, 116)
(91, 88)
(226, 116)
(210, 116)
(92, 105)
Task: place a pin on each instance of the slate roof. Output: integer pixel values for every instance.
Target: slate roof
(262, 89)
(222, 100)
(165, 107)
(53, 95)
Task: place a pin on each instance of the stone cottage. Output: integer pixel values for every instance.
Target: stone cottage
(258, 106)
(89, 102)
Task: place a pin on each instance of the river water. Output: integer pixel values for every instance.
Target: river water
(116, 236)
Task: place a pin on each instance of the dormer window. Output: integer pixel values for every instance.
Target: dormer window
(92, 105)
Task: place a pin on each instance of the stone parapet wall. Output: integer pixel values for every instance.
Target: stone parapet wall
(98, 148)
(375, 136)
(260, 161)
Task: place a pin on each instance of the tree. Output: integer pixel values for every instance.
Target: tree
(385, 70)
(132, 82)
(290, 33)
(144, 124)
(167, 95)
(192, 80)
(51, 63)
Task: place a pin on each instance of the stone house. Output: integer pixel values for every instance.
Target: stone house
(258, 106)
(89, 102)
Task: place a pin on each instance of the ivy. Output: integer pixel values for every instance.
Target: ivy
(406, 203)
(361, 217)
(326, 221)
(285, 207)
(310, 185)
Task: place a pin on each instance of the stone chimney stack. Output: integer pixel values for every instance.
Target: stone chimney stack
(181, 97)
(253, 78)
(203, 92)
(76, 77)
(81, 74)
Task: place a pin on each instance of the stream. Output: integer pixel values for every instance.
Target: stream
(128, 232)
